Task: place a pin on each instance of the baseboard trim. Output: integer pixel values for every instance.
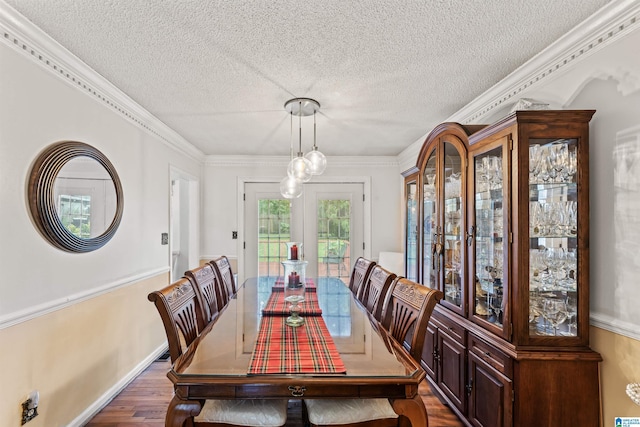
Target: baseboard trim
(117, 388)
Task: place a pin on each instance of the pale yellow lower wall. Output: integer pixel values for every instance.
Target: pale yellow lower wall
(75, 355)
(620, 366)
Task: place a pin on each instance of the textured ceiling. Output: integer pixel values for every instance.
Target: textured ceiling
(384, 71)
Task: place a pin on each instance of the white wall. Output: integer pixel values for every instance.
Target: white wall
(38, 110)
(76, 327)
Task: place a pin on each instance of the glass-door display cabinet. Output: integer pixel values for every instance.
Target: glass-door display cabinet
(502, 224)
(442, 179)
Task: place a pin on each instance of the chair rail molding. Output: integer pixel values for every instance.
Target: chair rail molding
(29, 313)
(617, 326)
(24, 37)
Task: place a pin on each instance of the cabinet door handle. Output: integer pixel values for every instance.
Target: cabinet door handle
(469, 235)
(469, 386)
(438, 239)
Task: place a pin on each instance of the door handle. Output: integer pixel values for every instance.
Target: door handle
(469, 235)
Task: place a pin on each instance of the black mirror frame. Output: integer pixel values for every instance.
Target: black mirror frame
(41, 200)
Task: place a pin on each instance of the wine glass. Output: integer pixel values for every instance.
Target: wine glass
(555, 312)
(572, 313)
(534, 161)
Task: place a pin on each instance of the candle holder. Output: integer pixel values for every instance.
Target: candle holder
(294, 289)
(294, 251)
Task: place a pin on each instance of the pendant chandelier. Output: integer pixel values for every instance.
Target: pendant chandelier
(302, 167)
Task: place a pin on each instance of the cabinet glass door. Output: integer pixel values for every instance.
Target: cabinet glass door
(411, 249)
(452, 226)
(553, 229)
(430, 241)
(489, 272)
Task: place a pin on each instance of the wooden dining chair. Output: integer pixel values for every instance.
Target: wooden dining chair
(406, 312)
(208, 291)
(223, 269)
(181, 315)
(359, 275)
(375, 290)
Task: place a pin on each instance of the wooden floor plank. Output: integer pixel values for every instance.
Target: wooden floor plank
(143, 403)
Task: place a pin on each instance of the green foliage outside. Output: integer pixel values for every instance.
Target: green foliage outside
(274, 229)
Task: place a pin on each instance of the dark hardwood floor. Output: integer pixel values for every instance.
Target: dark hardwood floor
(144, 403)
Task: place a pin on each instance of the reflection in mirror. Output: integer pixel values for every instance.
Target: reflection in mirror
(85, 197)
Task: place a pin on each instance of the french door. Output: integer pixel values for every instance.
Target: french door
(328, 219)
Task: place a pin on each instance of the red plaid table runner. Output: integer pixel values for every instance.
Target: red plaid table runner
(307, 349)
(277, 306)
(310, 285)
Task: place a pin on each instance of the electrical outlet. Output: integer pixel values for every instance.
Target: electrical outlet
(234, 234)
(164, 239)
(30, 407)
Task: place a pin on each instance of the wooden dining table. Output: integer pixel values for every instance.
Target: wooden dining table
(216, 365)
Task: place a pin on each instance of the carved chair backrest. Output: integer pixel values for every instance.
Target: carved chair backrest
(376, 289)
(359, 275)
(207, 289)
(225, 275)
(181, 315)
(406, 313)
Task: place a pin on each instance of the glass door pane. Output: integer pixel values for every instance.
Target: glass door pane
(453, 247)
(430, 221)
(327, 220)
(274, 227)
(334, 230)
(553, 222)
(411, 257)
(490, 241)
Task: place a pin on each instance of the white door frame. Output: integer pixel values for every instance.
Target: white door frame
(189, 225)
(241, 181)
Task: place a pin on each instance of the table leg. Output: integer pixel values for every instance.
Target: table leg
(413, 409)
(180, 410)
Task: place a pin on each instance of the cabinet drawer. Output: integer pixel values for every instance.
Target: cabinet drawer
(448, 326)
(491, 355)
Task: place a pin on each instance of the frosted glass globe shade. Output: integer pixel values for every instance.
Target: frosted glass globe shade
(318, 161)
(290, 188)
(300, 168)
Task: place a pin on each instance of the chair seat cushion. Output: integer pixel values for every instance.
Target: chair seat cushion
(250, 412)
(347, 411)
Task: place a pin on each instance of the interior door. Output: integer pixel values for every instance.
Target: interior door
(328, 219)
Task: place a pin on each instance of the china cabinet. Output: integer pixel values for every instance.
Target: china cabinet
(502, 228)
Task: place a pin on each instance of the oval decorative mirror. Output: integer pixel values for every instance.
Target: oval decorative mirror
(75, 196)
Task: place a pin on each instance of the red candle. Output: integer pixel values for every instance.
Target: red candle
(292, 279)
(294, 252)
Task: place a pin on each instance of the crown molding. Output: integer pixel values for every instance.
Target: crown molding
(607, 25)
(610, 23)
(283, 161)
(21, 35)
